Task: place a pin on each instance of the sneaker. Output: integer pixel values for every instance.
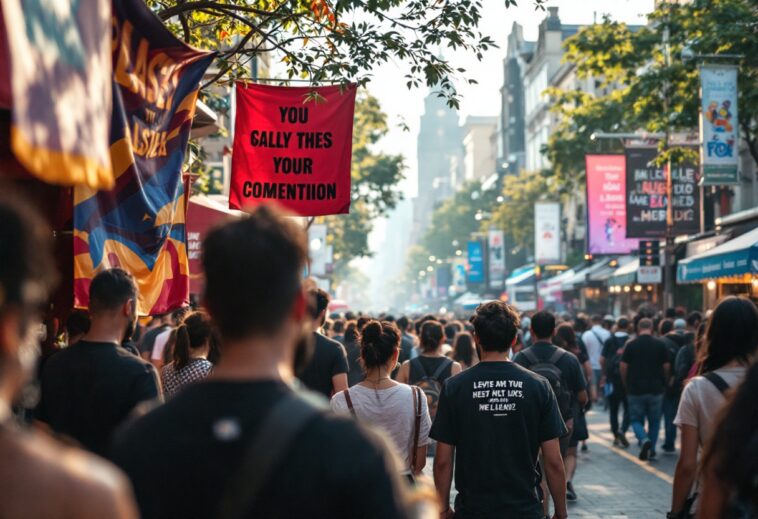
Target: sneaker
(584, 447)
(652, 456)
(645, 450)
(669, 450)
(570, 493)
(622, 440)
(616, 442)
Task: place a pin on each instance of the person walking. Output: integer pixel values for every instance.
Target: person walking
(326, 371)
(243, 442)
(40, 477)
(594, 339)
(493, 420)
(90, 388)
(564, 373)
(190, 354)
(398, 409)
(464, 351)
(672, 333)
(729, 348)
(644, 370)
(610, 361)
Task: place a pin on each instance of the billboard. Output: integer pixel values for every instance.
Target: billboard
(646, 196)
(606, 206)
(496, 254)
(547, 232)
(475, 263)
(719, 124)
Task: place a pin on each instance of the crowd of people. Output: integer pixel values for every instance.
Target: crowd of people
(263, 404)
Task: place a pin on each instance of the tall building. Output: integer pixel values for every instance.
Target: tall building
(439, 143)
(479, 154)
(511, 125)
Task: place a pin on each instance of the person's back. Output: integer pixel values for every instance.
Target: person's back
(328, 360)
(90, 388)
(646, 357)
(40, 477)
(202, 451)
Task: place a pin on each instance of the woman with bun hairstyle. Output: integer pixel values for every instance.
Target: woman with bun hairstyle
(431, 364)
(400, 410)
(190, 353)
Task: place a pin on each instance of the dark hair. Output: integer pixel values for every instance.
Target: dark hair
(338, 326)
(543, 324)
(110, 289)
(694, 318)
(452, 329)
(463, 348)
(27, 268)
(320, 301)
(565, 337)
(732, 452)
(623, 323)
(253, 268)
(361, 322)
(402, 324)
(495, 325)
(421, 321)
(351, 332)
(597, 319)
(77, 323)
(645, 323)
(379, 341)
(581, 325)
(732, 333)
(670, 313)
(431, 335)
(665, 326)
(193, 333)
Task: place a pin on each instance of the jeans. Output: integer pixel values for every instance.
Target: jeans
(670, 407)
(616, 400)
(642, 407)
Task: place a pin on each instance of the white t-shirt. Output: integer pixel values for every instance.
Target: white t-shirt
(391, 410)
(594, 340)
(160, 344)
(701, 401)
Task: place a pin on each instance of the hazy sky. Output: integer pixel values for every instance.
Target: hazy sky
(483, 99)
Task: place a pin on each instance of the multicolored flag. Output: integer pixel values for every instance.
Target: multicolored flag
(55, 75)
(140, 224)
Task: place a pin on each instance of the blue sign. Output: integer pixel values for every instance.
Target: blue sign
(733, 258)
(475, 263)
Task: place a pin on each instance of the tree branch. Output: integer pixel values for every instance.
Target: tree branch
(191, 6)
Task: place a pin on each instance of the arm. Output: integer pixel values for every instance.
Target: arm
(713, 497)
(402, 375)
(420, 460)
(666, 372)
(587, 368)
(455, 369)
(686, 469)
(556, 477)
(582, 398)
(339, 382)
(443, 474)
(623, 367)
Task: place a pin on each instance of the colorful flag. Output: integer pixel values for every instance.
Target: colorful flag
(140, 224)
(293, 146)
(56, 74)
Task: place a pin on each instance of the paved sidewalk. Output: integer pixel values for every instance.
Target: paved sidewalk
(612, 483)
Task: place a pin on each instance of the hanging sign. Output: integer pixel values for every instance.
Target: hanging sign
(719, 125)
(547, 234)
(293, 146)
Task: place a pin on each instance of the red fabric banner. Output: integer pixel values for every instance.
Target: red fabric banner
(293, 146)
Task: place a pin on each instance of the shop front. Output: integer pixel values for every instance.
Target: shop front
(727, 269)
(633, 286)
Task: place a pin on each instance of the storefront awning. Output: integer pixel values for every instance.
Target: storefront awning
(582, 276)
(520, 276)
(468, 301)
(626, 274)
(610, 269)
(736, 257)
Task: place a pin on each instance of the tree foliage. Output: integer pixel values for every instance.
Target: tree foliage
(334, 40)
(515, 216)
(643, 89)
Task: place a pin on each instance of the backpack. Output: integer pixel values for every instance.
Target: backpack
(430, 384)
(613, 365)
(550, 370)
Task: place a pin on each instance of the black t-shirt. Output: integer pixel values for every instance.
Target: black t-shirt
(181, 457)
(90, 388)
(497, 414)
(572, 376)
(422, 367)
(611, 348)
(328, 359)
(645, 357)
(355, 372)
(148, 340)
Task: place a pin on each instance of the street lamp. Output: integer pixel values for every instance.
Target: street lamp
(432, 258)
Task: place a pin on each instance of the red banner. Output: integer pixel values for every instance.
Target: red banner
(293, 146)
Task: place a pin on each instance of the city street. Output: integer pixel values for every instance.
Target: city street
(612, 483)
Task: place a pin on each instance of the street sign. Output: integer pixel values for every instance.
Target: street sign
(649, 275)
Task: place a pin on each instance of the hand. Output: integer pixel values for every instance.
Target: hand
(449, 513)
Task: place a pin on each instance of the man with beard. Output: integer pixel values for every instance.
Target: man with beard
(90, 388)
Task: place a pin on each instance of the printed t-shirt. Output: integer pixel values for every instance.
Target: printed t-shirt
(496, 415)
(645, 357)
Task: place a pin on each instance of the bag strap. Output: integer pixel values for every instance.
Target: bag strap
(419, 365)
(717, 380)
(415, 390)
(281, 426)
(530, 356)
(556, 356)
(442, 367)
(350, 403)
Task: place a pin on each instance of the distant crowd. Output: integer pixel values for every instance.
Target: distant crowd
(260, 403)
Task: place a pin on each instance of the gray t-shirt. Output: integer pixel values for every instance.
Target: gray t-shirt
(391, 410)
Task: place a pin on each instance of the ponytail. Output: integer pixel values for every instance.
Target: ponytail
(181, 347)
(194, 332)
